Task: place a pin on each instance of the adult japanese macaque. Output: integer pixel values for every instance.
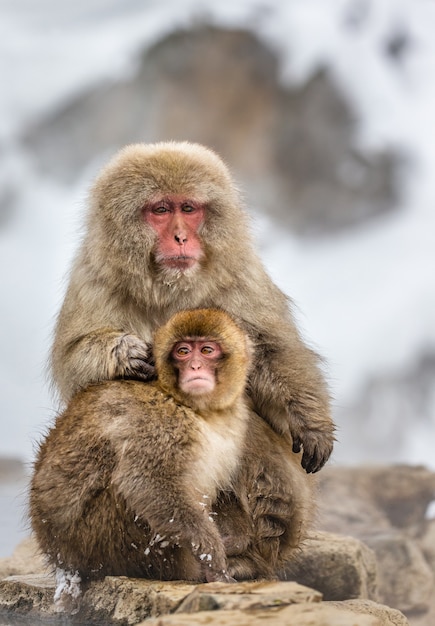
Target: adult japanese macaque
(125, 481)
(166, 232)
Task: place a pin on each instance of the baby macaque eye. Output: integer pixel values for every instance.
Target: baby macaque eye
(207, 350)
(182, 350)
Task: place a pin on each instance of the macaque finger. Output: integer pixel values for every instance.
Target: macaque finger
(313, 459)
(296, 445)
(140, 369)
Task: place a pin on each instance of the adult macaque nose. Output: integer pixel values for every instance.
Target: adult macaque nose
(179, 230)
(180, 237)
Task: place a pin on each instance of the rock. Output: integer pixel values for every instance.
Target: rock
(403, 492)
(116, 600)
(248, 595)
(406, 580)
(346, 505)
(354, 498)
(385, 508)
(257, 595)
(338, 566)
(427, 543)
(388, 616)
(295, 143)
(300, 614)
(122, 601)
(427, 618)
(128, 601)
(26, 559)
(27, 595)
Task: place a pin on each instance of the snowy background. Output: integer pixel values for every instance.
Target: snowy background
(365, 298)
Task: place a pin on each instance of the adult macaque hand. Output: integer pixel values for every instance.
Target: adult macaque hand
(135, 359)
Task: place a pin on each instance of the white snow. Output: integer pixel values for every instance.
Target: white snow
(365, 298)
(68, 591)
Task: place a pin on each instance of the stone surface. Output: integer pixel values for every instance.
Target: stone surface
(427, 543)
(355, 498)
(27, 595)
(129, 601)
(124, 601)
(405, 578)
(300, 615)
(340, 567)
(387, 616)
(248, 595)
(116, 600)
(385, 507)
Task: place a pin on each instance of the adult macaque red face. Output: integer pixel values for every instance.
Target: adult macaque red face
(176, 221)
(196, 362)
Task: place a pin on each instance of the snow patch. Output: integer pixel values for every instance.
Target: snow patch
(68, 591)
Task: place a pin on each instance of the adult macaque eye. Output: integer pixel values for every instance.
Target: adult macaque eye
(188, 209)
(159, 210)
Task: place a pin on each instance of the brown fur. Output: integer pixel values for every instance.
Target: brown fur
(266, 517)
(125, 480)
(118, 294)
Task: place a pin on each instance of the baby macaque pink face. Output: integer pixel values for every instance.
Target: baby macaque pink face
(196, 361)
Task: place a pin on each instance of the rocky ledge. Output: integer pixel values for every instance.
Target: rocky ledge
(117, 600)
(376, 552)
(343, 568)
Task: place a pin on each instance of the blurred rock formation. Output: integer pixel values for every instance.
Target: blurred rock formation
(386, 507)
(404, 397)
(293, 148)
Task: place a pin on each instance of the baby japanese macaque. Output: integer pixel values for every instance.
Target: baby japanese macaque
(126, 479)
